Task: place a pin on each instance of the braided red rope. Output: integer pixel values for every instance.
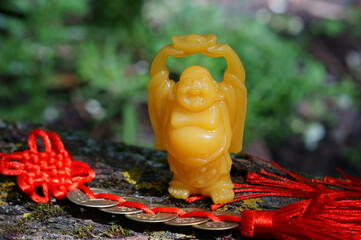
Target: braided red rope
(53, 171)
(328, 213)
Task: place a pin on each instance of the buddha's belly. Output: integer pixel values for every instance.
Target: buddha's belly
(191, 142)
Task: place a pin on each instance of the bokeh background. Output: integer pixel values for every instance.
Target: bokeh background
(83, 66)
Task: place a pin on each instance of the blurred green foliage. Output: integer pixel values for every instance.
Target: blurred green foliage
(98, 53)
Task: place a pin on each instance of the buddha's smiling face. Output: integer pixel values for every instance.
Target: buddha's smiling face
(196, 89)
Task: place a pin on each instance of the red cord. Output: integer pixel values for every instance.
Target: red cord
(53, 171)
(201, 214)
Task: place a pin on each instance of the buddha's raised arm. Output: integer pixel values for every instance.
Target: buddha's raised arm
(160, 90)
(159, 64)
(234, 64)
(234, 91)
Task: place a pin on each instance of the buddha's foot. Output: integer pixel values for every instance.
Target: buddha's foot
(222, 196)
(179, 190)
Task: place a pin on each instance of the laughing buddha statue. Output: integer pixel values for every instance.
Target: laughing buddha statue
(198, 120)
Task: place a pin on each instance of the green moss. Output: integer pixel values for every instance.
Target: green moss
(83, 232)
(247, 204)
(39, 212)
(45, 210)
(165, 235)
(251, 203)
(6, 190)
(116, 231)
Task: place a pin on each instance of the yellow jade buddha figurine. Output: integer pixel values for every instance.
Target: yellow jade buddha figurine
(197, 120)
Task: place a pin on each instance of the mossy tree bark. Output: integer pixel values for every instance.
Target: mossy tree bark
(126, 170)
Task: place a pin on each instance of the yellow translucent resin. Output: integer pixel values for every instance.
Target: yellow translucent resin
(197, 120)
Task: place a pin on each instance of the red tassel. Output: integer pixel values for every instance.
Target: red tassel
(328, 215)
(347, 182)
(268, 184)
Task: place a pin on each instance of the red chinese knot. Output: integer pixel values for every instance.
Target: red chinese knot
(52, 171)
